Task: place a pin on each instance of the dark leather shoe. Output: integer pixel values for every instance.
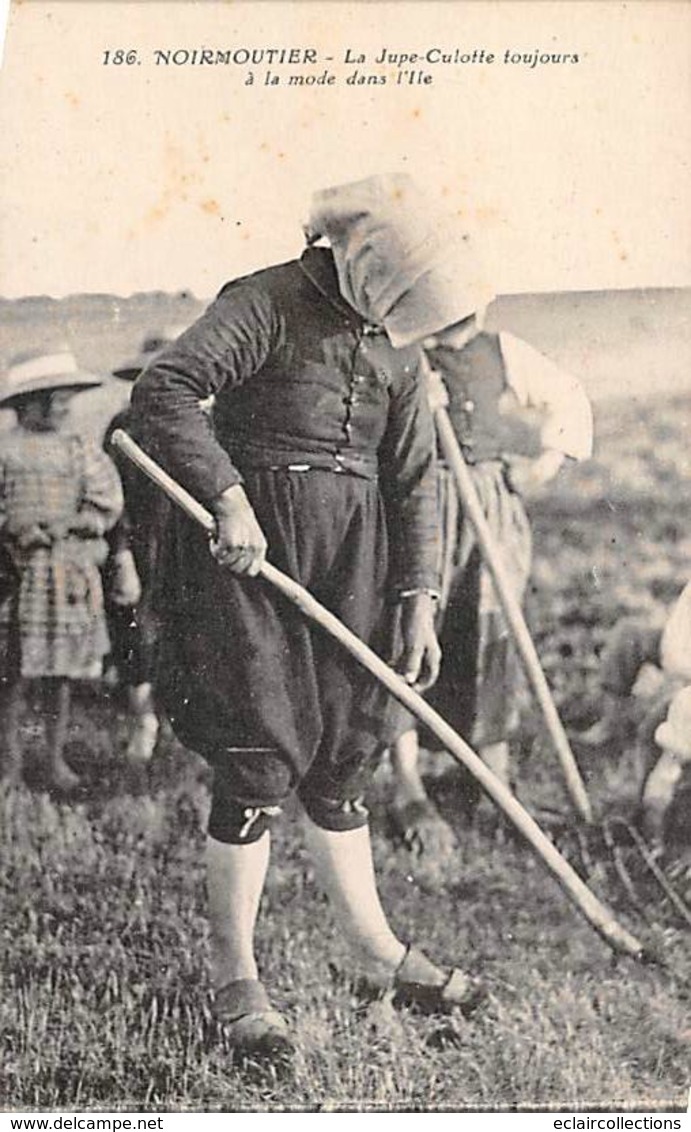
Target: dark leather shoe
(251, 1027)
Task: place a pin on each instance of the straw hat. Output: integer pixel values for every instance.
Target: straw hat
(674, 734)
(150, 347)
(39, 372)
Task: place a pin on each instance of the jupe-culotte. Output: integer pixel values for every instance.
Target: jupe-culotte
(272, 702)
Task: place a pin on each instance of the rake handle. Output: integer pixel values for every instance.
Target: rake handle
(512, 609)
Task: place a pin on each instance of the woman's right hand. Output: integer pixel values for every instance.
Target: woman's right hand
(239, 542)
(437, 396)
(125, 586)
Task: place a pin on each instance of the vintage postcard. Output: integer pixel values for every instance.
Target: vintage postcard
(153, 151)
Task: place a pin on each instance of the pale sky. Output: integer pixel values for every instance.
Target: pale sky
(117, 178)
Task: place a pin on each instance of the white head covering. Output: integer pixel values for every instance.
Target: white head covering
(400, 264)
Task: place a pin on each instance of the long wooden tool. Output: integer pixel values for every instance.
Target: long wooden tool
(512, 609)
(600, 917)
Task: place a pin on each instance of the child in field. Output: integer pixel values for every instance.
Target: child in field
(517, 417)
(131, 570)
(663, 716)
(59, 494)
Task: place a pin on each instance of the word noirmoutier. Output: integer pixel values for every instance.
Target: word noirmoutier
(234, 56)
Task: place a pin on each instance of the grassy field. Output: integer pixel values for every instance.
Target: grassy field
(105, 995)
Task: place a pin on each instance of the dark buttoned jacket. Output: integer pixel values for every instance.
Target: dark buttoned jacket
(300, 381)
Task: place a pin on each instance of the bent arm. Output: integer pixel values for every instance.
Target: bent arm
(101, 503)
(228, 344)
(407, 460)
(567, 418)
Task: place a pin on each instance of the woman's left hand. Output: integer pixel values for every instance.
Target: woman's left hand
(526, 477)
(421, 655)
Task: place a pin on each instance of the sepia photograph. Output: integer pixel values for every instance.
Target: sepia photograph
(345, 559)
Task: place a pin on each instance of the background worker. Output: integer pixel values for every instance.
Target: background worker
(517, 416)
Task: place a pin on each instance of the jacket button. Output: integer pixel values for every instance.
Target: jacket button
(468, 406)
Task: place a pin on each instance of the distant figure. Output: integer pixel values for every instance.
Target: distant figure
(662, 717)
(131, 570)
(517, 416)
(59, 494)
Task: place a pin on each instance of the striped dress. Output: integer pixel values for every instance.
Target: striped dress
(477, 691)
(63, 491)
